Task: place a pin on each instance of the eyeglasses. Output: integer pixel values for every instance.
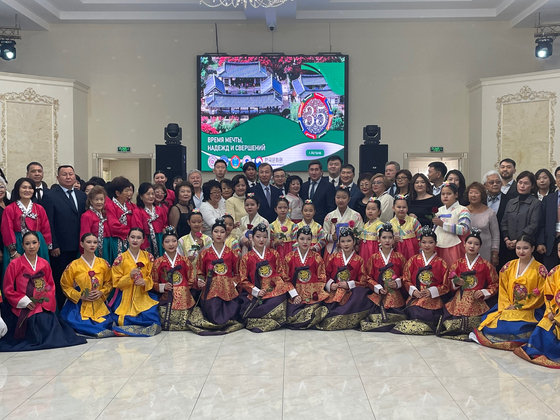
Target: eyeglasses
(494, 182)
(215, 192)
(365, 185)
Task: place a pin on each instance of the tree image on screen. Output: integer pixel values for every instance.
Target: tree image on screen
(283, 110)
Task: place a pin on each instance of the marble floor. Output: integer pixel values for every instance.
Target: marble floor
(279, 375)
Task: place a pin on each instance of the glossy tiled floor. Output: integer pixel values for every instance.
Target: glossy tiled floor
(278, 375)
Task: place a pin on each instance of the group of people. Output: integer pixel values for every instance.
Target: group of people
(393, 252)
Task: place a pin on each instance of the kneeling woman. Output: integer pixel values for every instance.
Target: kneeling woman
(425, 279)
(473, 280)
(217, 278)
(347, 303)
(173, 277)
(86, 282)
(132, 275)
(511, 321)
(306, 269)
(385, 270)
(263, 278)
(543, 347)
(30, 304)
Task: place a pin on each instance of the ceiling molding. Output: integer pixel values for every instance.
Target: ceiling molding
(27, 13)
(534, 8)
(397, 14)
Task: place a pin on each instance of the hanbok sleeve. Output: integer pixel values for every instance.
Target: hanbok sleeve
(14, 297)
(155, 275)
(121, 279)
(362, 278)
(454, 268)
(148, 278)
(503, 295)
(321, 270)
(408, 283)
(191, 280)
(244, 282)
(321, 238)
(7, 228)
(492, 281)
(328, 228)
(445, 286)
(68, 284)
(371, 281)
(200, 266)
(43, 225)
(107, 279)
(463, 227)
(281, 267)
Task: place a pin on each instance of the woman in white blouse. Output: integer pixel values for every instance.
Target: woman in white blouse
(380, 184)
(212, 206)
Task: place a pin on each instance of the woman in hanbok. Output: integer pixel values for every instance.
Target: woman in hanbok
(87, 282)
(513, 319)
(281, 229)
(473, 281)
(347, 286)
(264, 284)
(306, 270)
(406, 229)
(340, 217)
(385, 271)
(174, 277)
(119, 211)
(369, 243)
(22, 216)
(136, 311)
(95, 221)
(543, 347)
(231, 240)
(217, 271)
(150, 218)
(452, 221)
(425, 279)
(319, 239)
(192, 244)
(244, 232)
(29, 304)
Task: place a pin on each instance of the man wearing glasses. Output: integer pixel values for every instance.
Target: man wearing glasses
(497, 201)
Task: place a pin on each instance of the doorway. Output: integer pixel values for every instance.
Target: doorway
(137, 168)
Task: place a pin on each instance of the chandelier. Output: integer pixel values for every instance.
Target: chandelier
(235, 3)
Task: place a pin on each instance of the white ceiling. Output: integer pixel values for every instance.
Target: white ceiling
(40, 14)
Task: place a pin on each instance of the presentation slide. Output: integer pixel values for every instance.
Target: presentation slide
(283, 110)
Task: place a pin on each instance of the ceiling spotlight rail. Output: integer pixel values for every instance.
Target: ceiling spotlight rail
(245, 3)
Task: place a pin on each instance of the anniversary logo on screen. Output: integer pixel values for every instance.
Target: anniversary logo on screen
(283, 110)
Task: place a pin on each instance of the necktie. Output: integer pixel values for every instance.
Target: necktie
(313, 188)
(332, 182)
(69, 192)
(38, 192)
(492, 198)
(267, 193)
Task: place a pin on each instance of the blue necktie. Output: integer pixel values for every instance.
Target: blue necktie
(313, 188)
(267, 194)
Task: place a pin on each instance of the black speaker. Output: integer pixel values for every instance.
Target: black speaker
(373, 158)
(171, 159)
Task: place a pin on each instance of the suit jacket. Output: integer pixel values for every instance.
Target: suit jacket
(45, 190)
(323, 198)
(547, 226)
(512, 192)
(64, 218)
(355, 193)
(265, 210)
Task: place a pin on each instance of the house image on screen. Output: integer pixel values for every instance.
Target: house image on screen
(242, 89)
(307, 84)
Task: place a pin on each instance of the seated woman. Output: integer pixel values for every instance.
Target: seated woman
(87, 282)
(511, 321)
(217, 279)
(262, 277)
(425, 280)
(385, 271)
(473, 280)
(543, 347)
(132, 277)
(306, 269)
(347, 285)
(29, 309)
(173, 277)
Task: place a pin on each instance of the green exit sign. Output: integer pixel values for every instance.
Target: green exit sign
(436, 149)
(123, 149)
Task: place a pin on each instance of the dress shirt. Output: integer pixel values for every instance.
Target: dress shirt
(495, 204)
(73, 196)
(505, 188)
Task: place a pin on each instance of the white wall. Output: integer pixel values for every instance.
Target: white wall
(410, 78)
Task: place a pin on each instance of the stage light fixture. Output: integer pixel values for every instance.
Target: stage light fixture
(372, 134)
(544, 47)
(173, 134)
(7, 49)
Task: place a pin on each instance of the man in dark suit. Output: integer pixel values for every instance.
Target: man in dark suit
(507, 171)
(549, 229)
(36, 173)
(266, 193)
(64, 206)
(497, 201)
(347, 178)
(319, 190)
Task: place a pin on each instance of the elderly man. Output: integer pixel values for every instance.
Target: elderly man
(319, 190)
(391, 169)
(35, 172)
(497, 201)
(64, 206)
(195, 178)
(549, 228)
